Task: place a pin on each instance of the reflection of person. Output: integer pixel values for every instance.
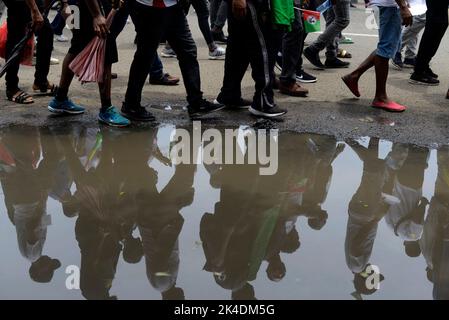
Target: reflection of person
(308, 174)
(406, 216)
(160, 224)
(434, 241)
(367, 207)
(26, 182)
(107, 209)
(250, 224)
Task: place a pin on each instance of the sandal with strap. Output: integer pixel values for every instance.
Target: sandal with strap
(48, 89)
(344, 54)
(20, 97)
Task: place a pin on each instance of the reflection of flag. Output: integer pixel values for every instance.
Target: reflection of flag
(311, 20)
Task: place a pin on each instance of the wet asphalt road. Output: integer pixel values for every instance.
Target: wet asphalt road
(329, 109)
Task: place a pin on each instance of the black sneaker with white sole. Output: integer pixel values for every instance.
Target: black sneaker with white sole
(267, 112)
(203, 107)
(137, 113)
(238, 104)
(305, 77)
(314, 58)
(431, 73)
(423, 79)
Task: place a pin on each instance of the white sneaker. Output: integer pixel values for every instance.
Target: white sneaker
(54, 61)
(61, 38)
(218, 54)
(168, 53)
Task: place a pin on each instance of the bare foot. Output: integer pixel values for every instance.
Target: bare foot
(352, 83)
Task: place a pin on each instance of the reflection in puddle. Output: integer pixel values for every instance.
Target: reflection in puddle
(356, 219)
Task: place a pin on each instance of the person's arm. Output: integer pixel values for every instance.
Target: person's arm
(100, 26)
(407, 18)
(36, 16)
(239, 8)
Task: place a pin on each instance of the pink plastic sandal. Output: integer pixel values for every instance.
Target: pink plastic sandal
(389, 106)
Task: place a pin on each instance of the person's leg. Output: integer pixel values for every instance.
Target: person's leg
(157, 68)
(262, 55)
(80, 39)
(222, 16)
(214, 5)
(120, 20)
(410, 36)
(436, 25)
(58, 24)
(150, 23)
(291, 49)
(218, 22)
(180, 39)
(341, 21)
(202, 13)
(17, 19)
(44, 49)
(389, 39)
(237, 60)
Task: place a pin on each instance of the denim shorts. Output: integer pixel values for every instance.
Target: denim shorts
(390, 26)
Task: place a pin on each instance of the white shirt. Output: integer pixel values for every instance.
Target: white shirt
(417, 7)
(383, 3)
(158, 3)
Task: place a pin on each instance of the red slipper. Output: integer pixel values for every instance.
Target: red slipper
(351, 86)
(389, 106)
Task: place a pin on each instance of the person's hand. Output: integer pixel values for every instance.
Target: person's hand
(239, 9)
(407, 18)
(37, 20)
(100, 26)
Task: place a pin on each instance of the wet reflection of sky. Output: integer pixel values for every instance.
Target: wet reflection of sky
(317, 270)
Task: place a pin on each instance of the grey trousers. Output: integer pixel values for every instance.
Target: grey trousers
(218, 13)
(337, 19)
(410, 36)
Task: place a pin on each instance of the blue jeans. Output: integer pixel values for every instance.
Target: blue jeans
(58, 22)
(390, 26)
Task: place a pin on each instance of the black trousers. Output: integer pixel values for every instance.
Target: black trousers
(251, 41)
(436, 25)
(151, 24)
(292, 48)
(19, 16)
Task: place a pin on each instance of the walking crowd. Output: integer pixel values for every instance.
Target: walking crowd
(262, 34)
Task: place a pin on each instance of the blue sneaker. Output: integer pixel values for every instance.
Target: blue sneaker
(66, 106)
(113, 118)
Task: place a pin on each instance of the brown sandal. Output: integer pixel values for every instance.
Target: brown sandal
(344, 54)
(46, 90)
(20, 97)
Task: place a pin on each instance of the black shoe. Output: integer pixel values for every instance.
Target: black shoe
(136, 114)
(336, 63)
(409, 62)
(304, 77)
(432, 74)
(267, 112)
(203, 107)
(238, 104)
(314, 58)
(423, 79)
(219, 37)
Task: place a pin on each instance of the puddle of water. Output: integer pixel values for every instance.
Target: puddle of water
(112, 205)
